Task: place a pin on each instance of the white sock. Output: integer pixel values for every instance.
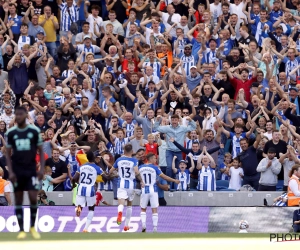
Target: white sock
(120, 208)
(155, 219)
(143, 219)
(128, 216)
(89, 219)
(115, 202)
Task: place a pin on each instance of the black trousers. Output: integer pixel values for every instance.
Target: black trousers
(266, 188)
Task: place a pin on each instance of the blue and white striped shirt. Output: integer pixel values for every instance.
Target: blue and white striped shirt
(88, 176)
(206, 179)
(149, 174)
(67, 73)
(119, 145)
(95, 76)
(188, 62)
(184, 178)
(209, 56)
(125, 166)
(66, 19)
(156, 66)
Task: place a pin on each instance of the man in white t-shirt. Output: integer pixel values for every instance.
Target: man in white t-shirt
(93, 18)
(216, 10)
(154, 31)
(118, 27)
(237, 8)
(88, 91)
(170, 18)
(269, 128)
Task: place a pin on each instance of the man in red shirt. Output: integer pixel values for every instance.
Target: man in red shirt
(244, 82)
(130, 56)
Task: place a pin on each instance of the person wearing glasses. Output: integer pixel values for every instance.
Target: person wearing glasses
(8, 116)
(7, 97)
(40, 67)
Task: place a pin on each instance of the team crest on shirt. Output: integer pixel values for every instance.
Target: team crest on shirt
(30, 135)
(15, 137)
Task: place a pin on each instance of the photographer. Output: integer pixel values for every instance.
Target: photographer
(43, 200)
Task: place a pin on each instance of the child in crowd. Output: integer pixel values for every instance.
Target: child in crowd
(182, 173)
(48, 92)
(151, 146)
(225, 166)
(47, 180)
(236, 174)
(207, 174)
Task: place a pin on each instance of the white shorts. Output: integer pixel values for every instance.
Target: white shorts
(152, 197)
(126, 194)
(85, 201)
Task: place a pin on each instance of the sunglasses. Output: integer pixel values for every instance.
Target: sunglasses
(185, 113)
(7, 107)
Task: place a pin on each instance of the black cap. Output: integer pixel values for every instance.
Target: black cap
(294, 88)
(202, 106)
(255, 85)
(271, 150)
(212, 39)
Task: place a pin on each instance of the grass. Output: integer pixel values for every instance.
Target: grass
(144, 241)
(131, 236)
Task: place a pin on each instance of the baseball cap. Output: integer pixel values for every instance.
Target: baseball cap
(40, 32)
(202, 106)
(255, 85)
(188, 45)
(212, 39)
(86, 37)
(183, 161)
(193, 67)
(151, 82)
(294, 88)
(271, 150)
(77, 107)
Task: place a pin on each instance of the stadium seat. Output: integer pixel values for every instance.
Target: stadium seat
(227, 189)
(222, 183)
(279, 186)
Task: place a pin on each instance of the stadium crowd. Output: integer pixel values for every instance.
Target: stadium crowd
(211, 88)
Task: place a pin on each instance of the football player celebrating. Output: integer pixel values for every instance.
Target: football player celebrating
(149, 173)
(127, 167)
(87, 176)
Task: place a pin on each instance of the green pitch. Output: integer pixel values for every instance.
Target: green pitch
(132, 236)
(145, 241)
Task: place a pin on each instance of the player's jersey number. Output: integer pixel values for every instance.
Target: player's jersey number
(147, 180)
(86, 178)
(125, 172)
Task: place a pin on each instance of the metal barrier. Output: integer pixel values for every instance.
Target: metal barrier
(180, 198)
